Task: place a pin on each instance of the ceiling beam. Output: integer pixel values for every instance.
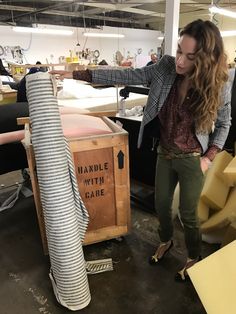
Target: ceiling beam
(125, 7)
(62, 13)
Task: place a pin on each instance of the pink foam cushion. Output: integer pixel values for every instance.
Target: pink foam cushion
(77, 125)
(74, 125)
(69, 110)
(10, 137)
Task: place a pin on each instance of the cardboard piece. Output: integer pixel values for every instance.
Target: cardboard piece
(214, 280)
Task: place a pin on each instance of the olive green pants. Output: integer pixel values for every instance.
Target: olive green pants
(188, 173)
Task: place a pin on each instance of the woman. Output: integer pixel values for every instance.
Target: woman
(189, 102)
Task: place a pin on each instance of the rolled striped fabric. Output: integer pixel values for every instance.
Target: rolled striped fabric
(66, 218)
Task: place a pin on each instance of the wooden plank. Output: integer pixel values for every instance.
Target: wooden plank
(37, 200)
(7, 97)
(96, 142)
(104, 234)
(107, 113)
(122, 185)
(95, 176)
(23, 120)
(114, 126)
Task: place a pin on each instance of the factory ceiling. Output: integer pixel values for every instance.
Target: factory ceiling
(144, 14)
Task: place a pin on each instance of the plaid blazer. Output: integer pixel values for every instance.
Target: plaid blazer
(161, 77)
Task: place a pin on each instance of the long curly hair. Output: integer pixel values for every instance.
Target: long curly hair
(209, 74)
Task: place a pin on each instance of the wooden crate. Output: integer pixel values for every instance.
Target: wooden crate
(102, 171)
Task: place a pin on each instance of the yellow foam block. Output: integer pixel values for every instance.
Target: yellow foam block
(219, 164)
(223, 217)
(203, 211)
(216, 188)
(214, 280)
(230, 172)
(214, 192)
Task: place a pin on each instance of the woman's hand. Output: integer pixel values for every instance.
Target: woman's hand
(62, 74)
(205, 164)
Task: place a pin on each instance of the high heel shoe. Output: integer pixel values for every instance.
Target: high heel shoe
(160, 253)
(182, 275)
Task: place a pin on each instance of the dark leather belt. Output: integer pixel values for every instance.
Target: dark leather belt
(172, 155)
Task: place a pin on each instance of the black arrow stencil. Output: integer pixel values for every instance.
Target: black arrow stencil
(120, 157)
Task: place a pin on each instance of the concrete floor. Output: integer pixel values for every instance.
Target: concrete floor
(132, 287)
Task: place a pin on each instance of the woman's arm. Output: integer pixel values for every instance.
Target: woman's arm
(109, 76)
(128, 76)
(120, 76)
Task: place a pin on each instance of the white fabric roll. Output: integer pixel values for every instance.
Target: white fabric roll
(65, 215)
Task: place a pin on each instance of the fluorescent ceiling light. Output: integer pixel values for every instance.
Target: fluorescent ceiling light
(160, 37)
(228, 33)
(104, 35)
(221, 11)
(49, 31)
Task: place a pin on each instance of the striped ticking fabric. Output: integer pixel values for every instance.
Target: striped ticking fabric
(65, 215)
